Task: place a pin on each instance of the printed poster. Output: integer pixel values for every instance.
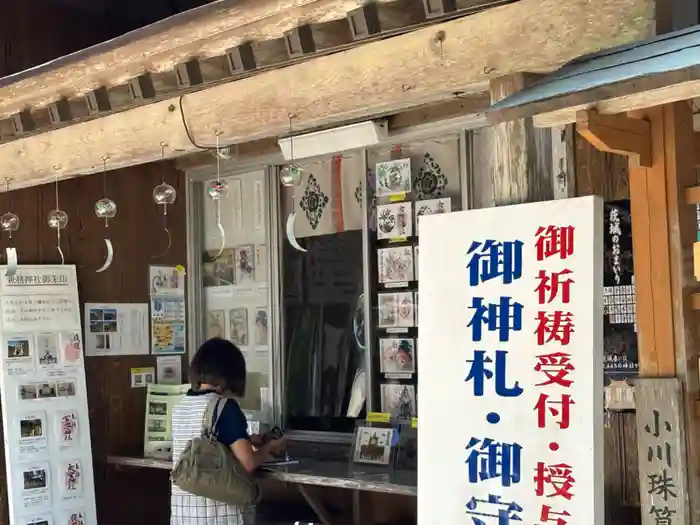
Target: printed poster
(116, 329)
(48, 454)
(167, 325)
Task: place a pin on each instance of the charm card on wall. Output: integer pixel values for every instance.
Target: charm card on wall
(393, 177)
(395, 264)
(395, 220)
(388, 310)
(216, 324)
(399, 400)
(397, 355)
(406, 309)
(238, 326)
(432, 207)
(245, 264)
(71, 479)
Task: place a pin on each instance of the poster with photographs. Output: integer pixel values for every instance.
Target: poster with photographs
(116, 329)
(373, 445)
(31, 435)
(245, 264)
(32, 485)
(238, 331)
(19, 354)
(432, 207)
(397, 355)
(393, 177)
(394, 221)
(398, 400)
(168, 325)
(48, 454)
(395, 264)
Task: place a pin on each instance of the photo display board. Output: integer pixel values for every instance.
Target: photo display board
(511, 362)
(48, 454)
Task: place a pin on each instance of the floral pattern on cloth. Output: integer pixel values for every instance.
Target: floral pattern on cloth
(313, 202)
(430, 182)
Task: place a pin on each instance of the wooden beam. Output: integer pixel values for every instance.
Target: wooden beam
(617, 134)
(241, 58)
(23, 122)
(373, 18)
(207, 31)
(381, 77)
(188, 74)
(98, 100)
(60, 111)
(522, 155)
(142, 87)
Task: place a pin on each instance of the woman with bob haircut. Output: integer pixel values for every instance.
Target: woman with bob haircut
(218, 368)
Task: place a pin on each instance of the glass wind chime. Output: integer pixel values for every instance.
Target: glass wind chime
(215, 190)
(106, 209)
(164, 195)
(9, 222)
(290, 177)
(58, 220)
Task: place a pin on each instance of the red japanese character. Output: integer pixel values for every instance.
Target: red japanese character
(555, 326)
(553, 240)
(544, 403)
(549, 516)
(550, 283)
(559, 477)
(557, 367)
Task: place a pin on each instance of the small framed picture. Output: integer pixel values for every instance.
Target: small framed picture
(373, 445)
(393, 177)
(395, 264)
(397, 355)
(399, 400)
(394, 220)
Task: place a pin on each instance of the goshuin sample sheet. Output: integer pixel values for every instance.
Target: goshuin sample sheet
(44, 399)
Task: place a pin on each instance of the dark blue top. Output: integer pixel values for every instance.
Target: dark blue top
(231, 424)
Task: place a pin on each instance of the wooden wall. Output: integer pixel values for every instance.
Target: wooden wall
(116, 410)
(607, 175)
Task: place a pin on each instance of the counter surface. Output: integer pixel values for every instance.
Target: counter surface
(313, 472)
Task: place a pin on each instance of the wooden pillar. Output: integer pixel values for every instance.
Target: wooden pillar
(660, 145)
(521, 169)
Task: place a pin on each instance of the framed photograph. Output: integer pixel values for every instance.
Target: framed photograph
(404, 300)
(398, 355)
(218, 272)
(432, 207)
(393, 177)
(399, 400)
(238, 326)
(395, 220)
(388, 306)
(245, 264)
(261, 327)
(373, 445)
(395, 264)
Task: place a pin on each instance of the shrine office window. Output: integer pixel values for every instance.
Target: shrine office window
(322, 288)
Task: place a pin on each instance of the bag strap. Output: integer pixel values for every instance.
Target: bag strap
(212, 414)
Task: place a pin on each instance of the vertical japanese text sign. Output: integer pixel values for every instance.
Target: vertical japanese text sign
(510, 399)
(661, 445)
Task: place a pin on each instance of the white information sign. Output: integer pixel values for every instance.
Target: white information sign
(511, 365)
(44, 398)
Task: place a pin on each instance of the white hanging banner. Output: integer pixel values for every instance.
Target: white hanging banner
(48, 453)
(511, 365)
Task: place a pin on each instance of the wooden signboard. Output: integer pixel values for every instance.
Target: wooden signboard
(662, 457)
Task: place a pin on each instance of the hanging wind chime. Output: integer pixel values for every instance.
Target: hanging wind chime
(215, 190)
(9, 222)
(290, 177)
(163, 195)
(106, 209)
(58, 220)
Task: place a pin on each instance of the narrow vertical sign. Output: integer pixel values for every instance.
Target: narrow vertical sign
(511, 388)
(661, 445)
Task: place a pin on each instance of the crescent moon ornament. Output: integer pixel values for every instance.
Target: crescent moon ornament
(11, 255)
(110, 256)
(290, 233)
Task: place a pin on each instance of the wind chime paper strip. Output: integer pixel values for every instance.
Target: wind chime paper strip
(11, 256)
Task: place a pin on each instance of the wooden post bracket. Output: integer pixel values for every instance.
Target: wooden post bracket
(616, 134)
